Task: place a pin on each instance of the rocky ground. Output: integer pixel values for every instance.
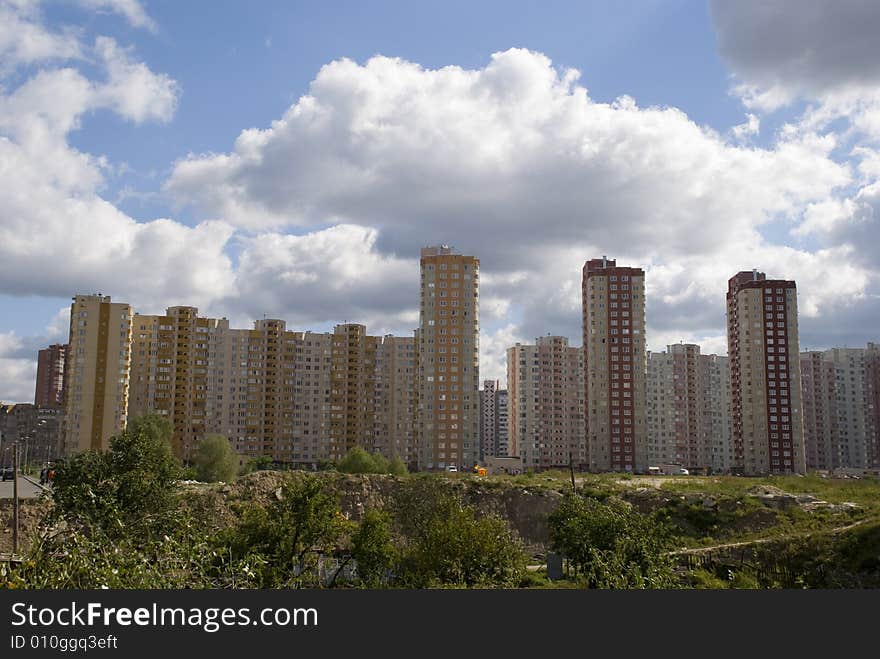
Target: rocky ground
(701, 518)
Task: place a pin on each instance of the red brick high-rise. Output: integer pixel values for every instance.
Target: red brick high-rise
(615, 367)
(765, 375)
(50, 376)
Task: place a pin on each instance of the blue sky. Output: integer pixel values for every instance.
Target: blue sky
(696, 139)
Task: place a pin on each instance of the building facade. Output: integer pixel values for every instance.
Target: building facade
(494, 442)
(354, 389)
(688, 409)
(448, 359)
(766, 412)
(504, 447)
(177, 371)
(50, 376)
(395, 398)
(97, 372)
(840, 402)
(615, 368)
(546, 403)
(299, 398)
(489, 419)
(719, 404)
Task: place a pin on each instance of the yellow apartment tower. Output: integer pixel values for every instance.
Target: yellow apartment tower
(448, 356)
(176, 372)
(96, 373)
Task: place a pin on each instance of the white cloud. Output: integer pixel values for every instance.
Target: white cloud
(512, 162)
(743, 132)
(25, 40)
(132, 89)
(327, 276)
(493, 154)
(58, 329)
(132, 10)
(17, 373)
(493, 352)
(516, 164)
(58, 236)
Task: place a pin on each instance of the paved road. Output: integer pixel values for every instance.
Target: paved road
(26, 489)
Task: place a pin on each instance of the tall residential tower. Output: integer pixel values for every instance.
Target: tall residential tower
(448, 359)
(545, 383)
(50, 376)
(614, 366)
(765, 375)
(96, 373)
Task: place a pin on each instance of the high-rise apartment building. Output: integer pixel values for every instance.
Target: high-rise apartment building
(96, 372)
(296, 397)
(277, 397)
(503, 446)
(719, 406)
(688, 409)
(177, 371)
(448, 359)
(819, 391)
(545, 386)
(353, 390)
(840, 398)
(50, 376)
(493, 421)
(872, 373)
(762, 338)
(614, 366)
(488, 419)
(395, 398)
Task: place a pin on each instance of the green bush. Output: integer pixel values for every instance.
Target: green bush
(445, 542)
(358, 461)
(610, 544)
(214, 460)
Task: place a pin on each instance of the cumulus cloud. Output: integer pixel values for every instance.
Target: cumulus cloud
(327, 276)
(57, 234)
(493, 351)
(132, 89)
(131, 10)
(25, 40)
(18, 370)
(491, 155)
(782, 49)
(516, 164)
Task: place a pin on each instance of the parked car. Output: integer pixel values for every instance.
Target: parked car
(451, 468)
(8, 473)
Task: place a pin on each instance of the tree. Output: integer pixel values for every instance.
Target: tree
(373, 549)
(610, 544)
(289, 534)
(397, 467)
(358, 461)
(129, 488)
(446, 543)
(257, 464)
(215, 460)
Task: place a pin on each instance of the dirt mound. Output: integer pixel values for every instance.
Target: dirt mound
(768, 490)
